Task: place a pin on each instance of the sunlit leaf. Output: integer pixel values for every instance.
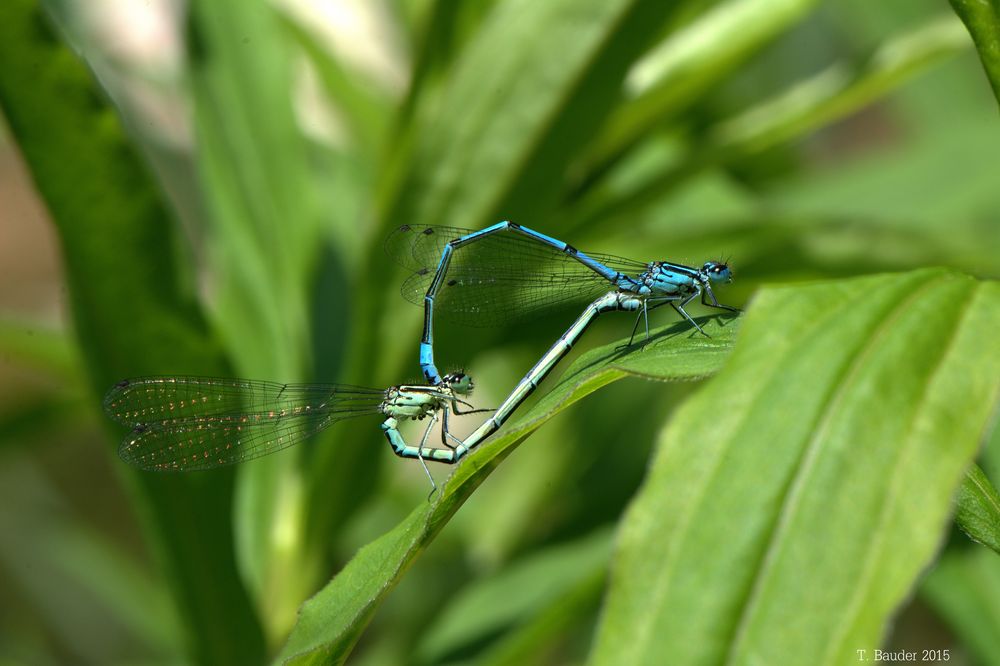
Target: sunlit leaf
(796, 498)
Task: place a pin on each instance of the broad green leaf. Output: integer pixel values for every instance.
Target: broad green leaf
(796, 497)
(130, 311)
(964, 588)
(332, 621)
(515, 595)
(978, 509)
(982, 18)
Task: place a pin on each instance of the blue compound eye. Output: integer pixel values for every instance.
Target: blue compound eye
(717, 271)
(459, 382)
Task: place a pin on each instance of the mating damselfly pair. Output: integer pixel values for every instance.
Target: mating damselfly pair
(501, 274)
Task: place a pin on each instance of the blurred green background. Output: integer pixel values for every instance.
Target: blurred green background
(207, 193)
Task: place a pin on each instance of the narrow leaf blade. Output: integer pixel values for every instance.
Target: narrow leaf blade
(982, 18)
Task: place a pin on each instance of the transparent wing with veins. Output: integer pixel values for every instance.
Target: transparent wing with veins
(193, 423)
(500, 278)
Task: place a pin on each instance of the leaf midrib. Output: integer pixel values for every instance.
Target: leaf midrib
(806, 462)
(662, 583)
(878, 541)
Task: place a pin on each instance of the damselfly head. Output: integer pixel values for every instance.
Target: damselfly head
(459, 382)
(717, 271)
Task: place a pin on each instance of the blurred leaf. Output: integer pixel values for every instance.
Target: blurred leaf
(840, 90)
(978, 509)
(258, 189)
(447, 29)
(130, 312)
(818, 101)
(364, 109)
(982, 18)
(33, 345)
(990, 457)
(964, 588)
(127, 592)
(332, 621)
(515, 595)
(91, 597)
(891, 208)
(686, 65)
(255, 176)
(795, 499)
(554, 71)
(21, 424)
(542, 636)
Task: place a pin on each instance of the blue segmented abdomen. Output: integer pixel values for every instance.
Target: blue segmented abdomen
(506, 276)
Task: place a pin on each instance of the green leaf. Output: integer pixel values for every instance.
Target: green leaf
(687, 64)
(515, 595)
(83, 590)
(36, 346)
(253, 167)
(554, 70)
(964, 588)
(982, 18)
(130, 310)
(796, 497)
(332, 621)
(978, 509)
(264, 242)
(818, 101)
(446, 30)
(130, 595)
(364, 108)
(840, 89)
(541, 637)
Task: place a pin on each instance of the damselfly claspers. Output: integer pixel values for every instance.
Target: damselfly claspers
(507, 272)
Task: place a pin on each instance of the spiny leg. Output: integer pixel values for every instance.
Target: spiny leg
(644, 314)
(715, 302)
(645, 317)
(446, 430)
(647, 305)
(420, 455)
(635, 326)
(683, 313)
(455, 402)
